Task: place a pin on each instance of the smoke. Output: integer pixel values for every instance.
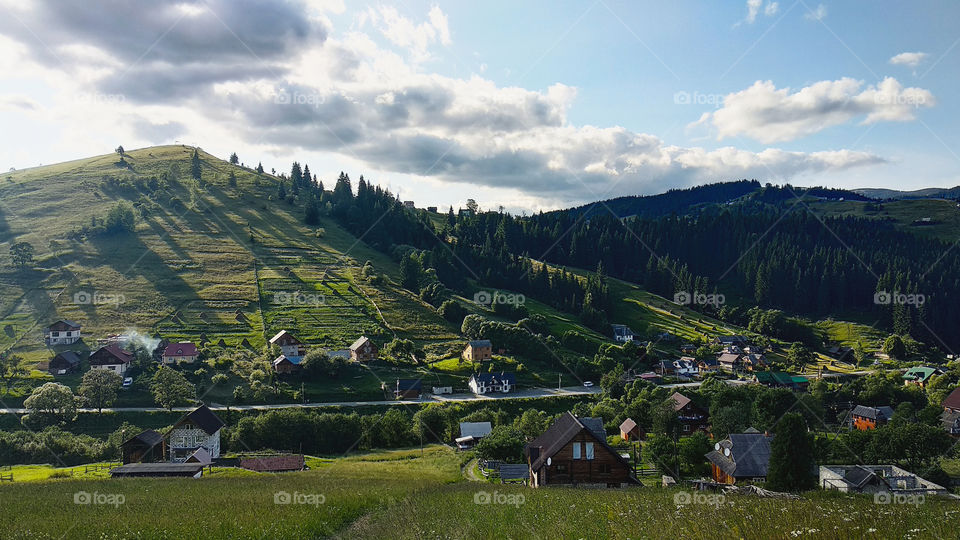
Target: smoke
(132, 337)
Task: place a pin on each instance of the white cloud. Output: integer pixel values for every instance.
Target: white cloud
(817, 14)
(909, 59)
(403, 32)
(771, 9)
(755, 7)
(768, 114)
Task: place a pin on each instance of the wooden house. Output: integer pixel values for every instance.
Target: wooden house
(145, 447)
(283, 365)
(864, 418)
(919, 376)
(62, 332)
(363, 350)
(290, 346)
(407, 389)
(950, 418)
(112, 358)
(741, 457)
(175, 353)
(63, 363)
(471, 433)
(574, 451)
(199, 429)
(630, 431)
(692, 418)
(478, 350)
(730, 362)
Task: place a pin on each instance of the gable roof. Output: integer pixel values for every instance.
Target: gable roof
(621, 330)
(559, 434)
(953, 400)
(69, 357)
(749, 455)
(200, 455)
(63, 324)
(109, 355)
(286, 359)
(359, 343)
(679, 401)
(728, 358)
(283, 334)
(490, 378)
(475, 429)
(628, 425)
(203, 418)
(477, 343)
(514, 472)
(148, 437)
(873, 413)
(181, 349)
(408, 384)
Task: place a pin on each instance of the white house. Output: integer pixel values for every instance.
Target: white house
(62, 332)
(112, 358)
(290, 346)
(481, 383)
(198, 430)
(686, 366)
(622, 333)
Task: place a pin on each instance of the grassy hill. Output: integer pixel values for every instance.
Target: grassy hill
(906, 214)
(403, 494)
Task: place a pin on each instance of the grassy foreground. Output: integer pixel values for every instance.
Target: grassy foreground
(400, 494)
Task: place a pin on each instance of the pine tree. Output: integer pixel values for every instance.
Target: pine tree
(281, 191)
(792, 460)
(260, 168)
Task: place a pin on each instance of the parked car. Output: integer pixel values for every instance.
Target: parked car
(588, 384)
(127, 382)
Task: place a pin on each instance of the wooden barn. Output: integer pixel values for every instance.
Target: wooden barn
(146, 447)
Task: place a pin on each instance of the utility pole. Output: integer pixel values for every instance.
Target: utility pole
(559, 376)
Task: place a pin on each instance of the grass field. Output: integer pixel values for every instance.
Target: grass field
(401, 494)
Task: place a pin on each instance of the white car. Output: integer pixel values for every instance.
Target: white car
(127, 382)
(587, 384)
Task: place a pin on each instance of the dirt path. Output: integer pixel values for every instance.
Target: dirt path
(469, 472)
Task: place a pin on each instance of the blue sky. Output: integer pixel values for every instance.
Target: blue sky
(529, 105)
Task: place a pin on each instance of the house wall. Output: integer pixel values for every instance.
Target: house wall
(191, 437)
(477, 354)
(65, 337)
(720, 476)
(118, 368)
(863, 424)
(583, 471)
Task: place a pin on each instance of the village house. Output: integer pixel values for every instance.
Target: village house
(478, 350)
(919, 376)
(876, 479)
(708, 365)
(471, 433)
(283, 365)
(62, 332)
(407, 389)
(779, 379)
(730, 362)
(199, 429)
(363, 350)
(864, 418)
(664, 368)
(63, 363)
(622, 333)
(741, 457)
(175, 353)
(290, 346)
(482, 383)
(111, 357)
(574, 451)
(729, 341)
(686, 367)
(692, 418)
(145, 447)
(630, 430)
(950, 418)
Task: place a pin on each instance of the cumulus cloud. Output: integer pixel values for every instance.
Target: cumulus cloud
(909, 59)
(755, 7)
(768, 114)
(276, 77)
(818, 14)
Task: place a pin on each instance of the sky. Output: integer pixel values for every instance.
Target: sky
(525, 105)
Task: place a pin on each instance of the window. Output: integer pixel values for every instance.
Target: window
(589, 450)
(576, 450)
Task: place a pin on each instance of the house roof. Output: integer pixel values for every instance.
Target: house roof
(628, 425)
(491, 378)
(181, 349)
(69, 357)
(161, 469)
(148, 437)
(475, 429)
(919, 373)
(360, 342)
(873, 413)
(283, 334)
(621, 330)
(200, 455)
(477, 343)
(203, 418)
(63, 324)
(595, 425)
(283, 358)
(273, 463)
(408, 384)
(109, 355)
(777, 377)
(679, 401)
(514, 472)
(559, 434)
(749, 455)
(728, 358)
(953, 400)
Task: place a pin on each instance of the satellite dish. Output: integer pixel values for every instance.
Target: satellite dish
(716, 447)
(726, 452)
(549, 461)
